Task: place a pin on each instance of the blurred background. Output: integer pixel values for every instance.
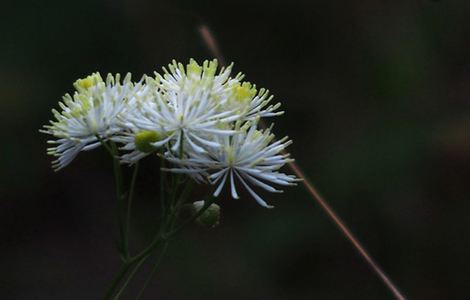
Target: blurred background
(377, 95)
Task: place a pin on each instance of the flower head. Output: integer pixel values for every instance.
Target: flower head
(183, 108)
(177, 78)
(89, 113)
(250, 157)
(232, 94)
(202, 120)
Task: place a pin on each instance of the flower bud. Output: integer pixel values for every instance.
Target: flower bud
(143, 140)
(210, 217)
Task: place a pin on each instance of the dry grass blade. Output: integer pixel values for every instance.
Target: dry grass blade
(211, 44)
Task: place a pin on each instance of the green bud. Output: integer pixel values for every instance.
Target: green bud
(144, 138)
(210, 217)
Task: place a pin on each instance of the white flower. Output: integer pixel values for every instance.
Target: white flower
(249, 157)
(188, 117)
(177, 78)
(140, 135)
(203, 121)
(193, 119)
(250, 104)
(92, 111)
(231, 93)
(187, 107)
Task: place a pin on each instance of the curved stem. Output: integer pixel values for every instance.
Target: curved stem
(169, 217)
(129, 278)
(118, 178)
(141, 258)
(166, 236)
(181, 149)
(120, 198)
(162, 191)
(185, 193)
(192, 218)
(117, 278)
(103, 143)
(162, 236)
(153, 271)
(129, 208)
(171, 224)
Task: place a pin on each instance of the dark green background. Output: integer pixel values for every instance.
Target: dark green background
(377, 101)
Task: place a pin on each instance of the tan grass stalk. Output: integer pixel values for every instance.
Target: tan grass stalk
(212, 45)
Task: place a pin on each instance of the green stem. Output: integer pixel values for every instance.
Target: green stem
(153, 271)
(181, 145)
(171, 224)
(120, 198)
(173, 232)
(103, 143)
(140, 259)
(192, 218)
(170, 212)
(185, 193)
(163, 236)
(129, 278)
(129, 208)
(162, 191)
(117, 278)
(118, 178)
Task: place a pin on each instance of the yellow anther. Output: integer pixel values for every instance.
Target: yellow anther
(193, 68)
(88, 81)
(244, 91)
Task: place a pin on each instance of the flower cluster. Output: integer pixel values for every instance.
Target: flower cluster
(206, 123)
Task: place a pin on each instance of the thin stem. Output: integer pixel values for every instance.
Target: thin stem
(155, 242)
(162, 191)
(192, 218)
(177, 177)
(181, 150)
(347, 232)
(159, 237)
(120, 197)
(211, 43)
(162, 236)
(129, 278)
(213, 47)
(153, 271)
(117, 278)
(145, 254)
(129, 207)
(167, 237)
(118, 178)
(103, 143)
(185, 193)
